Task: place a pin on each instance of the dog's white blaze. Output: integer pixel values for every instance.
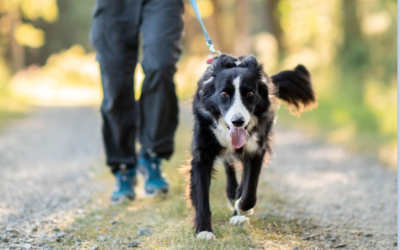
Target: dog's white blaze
(237, 108)
(238, 220)
(221, 132)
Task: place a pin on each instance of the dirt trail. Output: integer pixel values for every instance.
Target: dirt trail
(350, 198)
(47, 161)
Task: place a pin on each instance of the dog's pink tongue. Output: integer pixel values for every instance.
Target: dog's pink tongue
(238, 135)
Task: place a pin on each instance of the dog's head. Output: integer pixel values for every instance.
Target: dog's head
(236, 93)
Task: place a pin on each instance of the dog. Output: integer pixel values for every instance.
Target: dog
(234, 112)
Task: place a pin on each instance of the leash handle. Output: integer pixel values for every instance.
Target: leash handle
(208, 38)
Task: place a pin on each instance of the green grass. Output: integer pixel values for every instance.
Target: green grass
(170, 219)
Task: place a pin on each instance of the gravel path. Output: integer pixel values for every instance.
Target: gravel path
(47, 162)
(345, 200)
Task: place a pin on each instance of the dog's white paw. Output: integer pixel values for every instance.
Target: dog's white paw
(240, 211)
(239, 220)
(206, 236)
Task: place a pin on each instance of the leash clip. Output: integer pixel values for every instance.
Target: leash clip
(212, 52)
(211, 48)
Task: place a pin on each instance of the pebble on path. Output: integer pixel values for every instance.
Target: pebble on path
(98, 217)
(340, 245)
(26, 246)
(94, 247)
(101, 238)
(34, 228)
(144, 231)
(133, 244)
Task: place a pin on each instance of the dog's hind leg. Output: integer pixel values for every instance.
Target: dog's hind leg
(231, 182)
(200, 180)
(247, 192)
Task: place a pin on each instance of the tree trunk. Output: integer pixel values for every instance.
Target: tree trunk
(213, 26)
(17, 51)
(273, 24)
(242, 37)
(354, 50)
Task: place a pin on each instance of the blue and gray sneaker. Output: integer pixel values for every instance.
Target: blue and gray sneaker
(124, 187)
(150, 168)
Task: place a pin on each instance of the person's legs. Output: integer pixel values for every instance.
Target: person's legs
(161, 26)
(114, 34)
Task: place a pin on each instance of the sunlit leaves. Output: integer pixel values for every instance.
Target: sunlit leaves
(32, 9)
(46, 9)
(376, 23)
(206, 8)
(9, 5)
(69, 77)
(311, 24)
(27, 35)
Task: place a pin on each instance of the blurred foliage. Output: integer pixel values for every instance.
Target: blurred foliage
(26, 34)
(31, 9)
(349, 46)
(69, 78)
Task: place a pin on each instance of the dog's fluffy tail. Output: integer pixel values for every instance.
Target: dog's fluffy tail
(295, 88)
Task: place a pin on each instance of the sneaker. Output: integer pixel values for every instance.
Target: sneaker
(124, 187)
(155, 183)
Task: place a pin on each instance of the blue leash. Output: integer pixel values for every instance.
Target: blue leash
(208, 39)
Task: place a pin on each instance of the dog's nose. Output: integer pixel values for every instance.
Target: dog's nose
(237, 120)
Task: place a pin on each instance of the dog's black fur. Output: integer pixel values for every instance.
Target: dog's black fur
(212, 102)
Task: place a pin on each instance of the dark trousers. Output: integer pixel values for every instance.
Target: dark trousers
(115, 36)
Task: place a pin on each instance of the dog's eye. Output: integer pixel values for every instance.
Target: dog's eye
(250, 94)
(224, 94)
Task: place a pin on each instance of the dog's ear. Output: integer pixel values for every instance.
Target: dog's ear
(295, 88)
(205, 85)
(222, 62)
(264, 103)
(251, 63)
(219, 63)
(206, 77)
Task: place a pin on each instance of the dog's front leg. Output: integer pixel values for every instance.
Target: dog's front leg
(231, 182)
(200, 180)
(247, 191)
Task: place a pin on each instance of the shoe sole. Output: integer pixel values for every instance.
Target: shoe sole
(158, 193)
(122, 199)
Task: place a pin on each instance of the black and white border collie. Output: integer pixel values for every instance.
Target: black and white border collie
(234, 114)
